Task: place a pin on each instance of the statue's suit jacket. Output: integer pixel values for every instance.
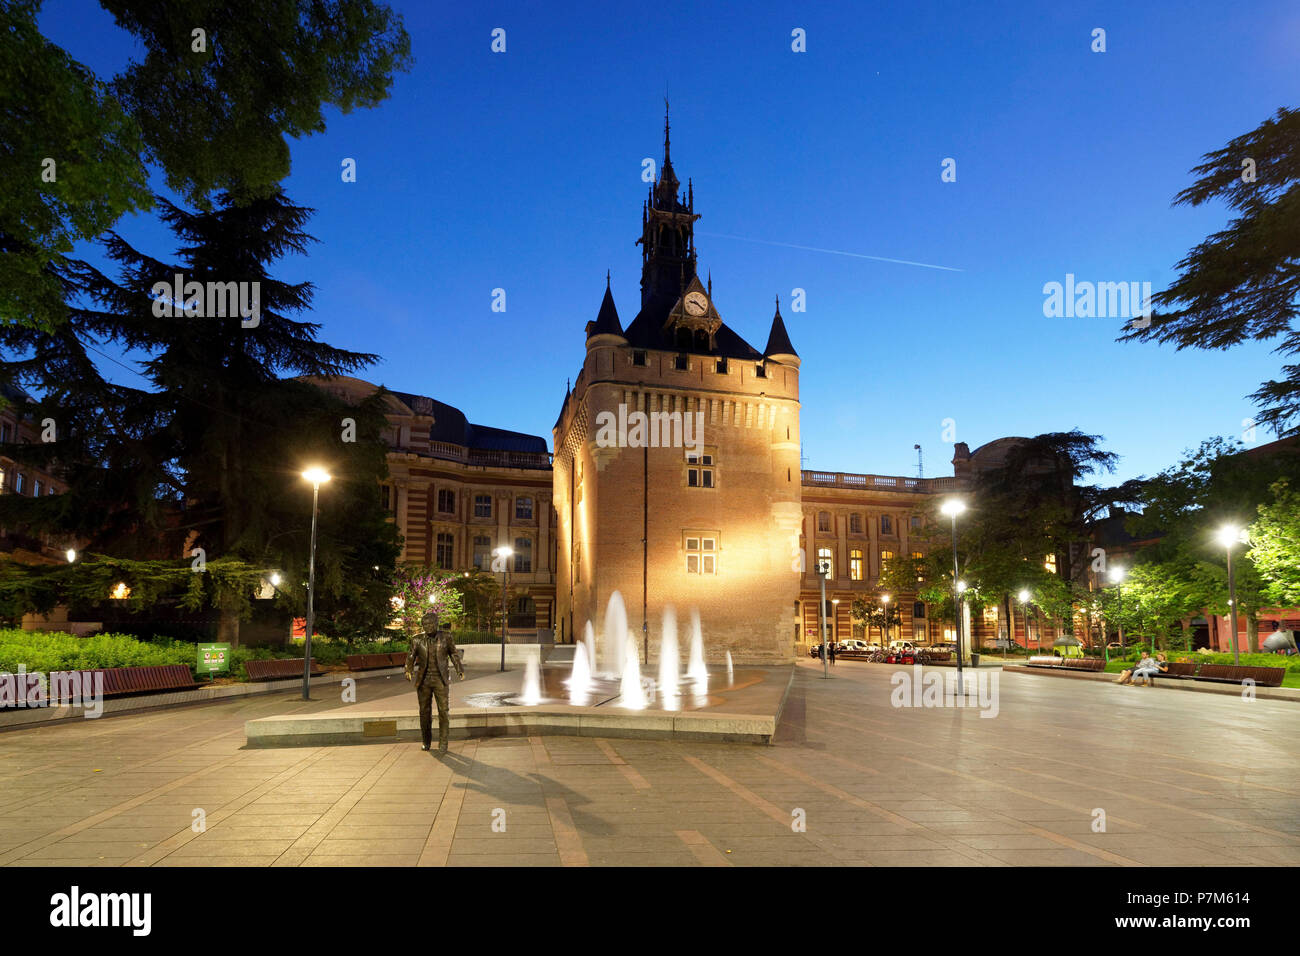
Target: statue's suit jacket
(438, 648)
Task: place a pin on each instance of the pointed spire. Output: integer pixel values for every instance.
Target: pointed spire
(667, 161)
(778, 340)
(666, 189)
(607, 322)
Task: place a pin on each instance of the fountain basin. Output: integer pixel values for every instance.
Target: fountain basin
(747, 713)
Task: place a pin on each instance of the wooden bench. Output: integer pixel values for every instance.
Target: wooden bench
(1044, 661)
(121, 681)
(282, 669)
(1235, 674)
(370, 662)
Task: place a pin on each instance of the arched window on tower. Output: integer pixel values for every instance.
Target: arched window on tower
(683, 339)
(701, 340)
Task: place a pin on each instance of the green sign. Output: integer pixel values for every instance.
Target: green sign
(213, 658)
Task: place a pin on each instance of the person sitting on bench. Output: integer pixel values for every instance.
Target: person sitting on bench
(1149, 667)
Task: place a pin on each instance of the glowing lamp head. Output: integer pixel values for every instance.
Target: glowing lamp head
(317, 476)
(953, 507)
(276, 579)
(71, 555)
(1229, 535)
(1117, 574)
(504, 551)
(884, 598)
(961, 587)
(1024, 596)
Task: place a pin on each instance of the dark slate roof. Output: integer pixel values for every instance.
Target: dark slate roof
(778, 341)
(451, 426)
(607, 319)
(646, 332)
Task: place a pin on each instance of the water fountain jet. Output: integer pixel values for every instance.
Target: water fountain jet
(669, 661)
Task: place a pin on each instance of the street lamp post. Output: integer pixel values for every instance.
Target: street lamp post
(1117, 575)
(317, 477)
(884, 600)
(952, 508)
(503, 554)
(823, 570)
(1228, 536)
(1024, 612)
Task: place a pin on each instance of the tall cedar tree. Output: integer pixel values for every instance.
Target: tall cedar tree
(210, 457)
(1243, 283)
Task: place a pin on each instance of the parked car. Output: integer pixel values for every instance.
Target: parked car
(854, 646)
(902, 646)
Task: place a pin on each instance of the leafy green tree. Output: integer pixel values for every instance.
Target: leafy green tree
(213, 111)
(1243, 282)
(873, 611)
(1027, 526)
(70, 165)
(1275, 545)
(1184, 506)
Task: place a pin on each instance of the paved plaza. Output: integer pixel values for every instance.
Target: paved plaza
(1181, 778)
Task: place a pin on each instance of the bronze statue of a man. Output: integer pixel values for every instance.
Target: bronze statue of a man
(427, 667)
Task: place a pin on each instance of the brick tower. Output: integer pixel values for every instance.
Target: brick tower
(677, 465)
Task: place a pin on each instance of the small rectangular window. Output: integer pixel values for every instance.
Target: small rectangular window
(701, 554)
(722, 366)
(638, 357)
(760, 371)
(482, 506)
(681, 363)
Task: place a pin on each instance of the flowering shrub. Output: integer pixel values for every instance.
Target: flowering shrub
(417, 589)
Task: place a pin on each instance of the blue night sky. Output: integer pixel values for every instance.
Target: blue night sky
(522, 171)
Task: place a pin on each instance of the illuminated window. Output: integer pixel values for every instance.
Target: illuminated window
(483, 552)
(855, 565)
(823, 521)
(37, 488)
(1049, 563)
(120, 592)
(886, 556)
(19, 480)
(701, 553)
(824, 559)
(855, 523)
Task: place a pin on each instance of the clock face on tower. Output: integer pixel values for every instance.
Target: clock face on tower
(696, 303)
